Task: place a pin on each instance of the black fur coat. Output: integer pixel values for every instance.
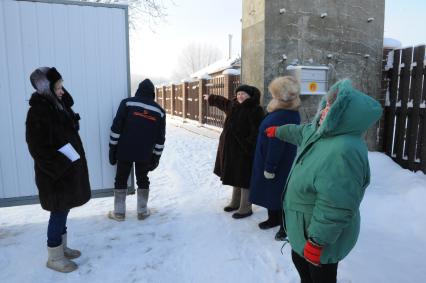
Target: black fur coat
(62, 184)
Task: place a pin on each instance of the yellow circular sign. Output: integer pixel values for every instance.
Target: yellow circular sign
(313, 87)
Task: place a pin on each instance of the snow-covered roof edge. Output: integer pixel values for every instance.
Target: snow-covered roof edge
(391, 43)
(234, 72)
(218, 66)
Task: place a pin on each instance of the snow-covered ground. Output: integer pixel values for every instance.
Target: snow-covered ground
(189, 238)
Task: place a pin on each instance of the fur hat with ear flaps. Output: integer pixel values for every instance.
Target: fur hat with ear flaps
(53, 76)
(39, 80)
(43, 79)
(285, 94)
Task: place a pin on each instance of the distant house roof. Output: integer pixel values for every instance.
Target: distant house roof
(218, 66)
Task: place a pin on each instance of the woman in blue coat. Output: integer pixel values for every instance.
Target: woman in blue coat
(273, 157)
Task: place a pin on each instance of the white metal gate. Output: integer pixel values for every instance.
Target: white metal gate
(88, 44)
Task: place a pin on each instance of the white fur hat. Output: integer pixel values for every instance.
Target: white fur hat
(285, 92)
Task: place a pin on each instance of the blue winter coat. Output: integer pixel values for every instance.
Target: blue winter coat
(274, 156)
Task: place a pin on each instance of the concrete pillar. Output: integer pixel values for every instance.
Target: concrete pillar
(345, 35)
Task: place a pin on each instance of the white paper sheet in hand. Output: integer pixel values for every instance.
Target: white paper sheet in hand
(69, 151)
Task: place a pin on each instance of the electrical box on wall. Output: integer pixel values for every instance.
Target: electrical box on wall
(313, 79)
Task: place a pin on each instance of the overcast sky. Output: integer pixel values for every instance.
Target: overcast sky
(204, 22)
(210, 22)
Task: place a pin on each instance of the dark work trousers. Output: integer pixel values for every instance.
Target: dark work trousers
(309, 273)
(56, 228)
(123, 173)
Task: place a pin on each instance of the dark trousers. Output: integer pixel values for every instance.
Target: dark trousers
(309, 273)
(123, 173)
(56, 228)
(276, 216)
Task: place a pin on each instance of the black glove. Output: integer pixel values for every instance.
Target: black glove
(112, 155)
(155, 160)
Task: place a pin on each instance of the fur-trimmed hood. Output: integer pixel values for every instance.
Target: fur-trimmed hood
(352, 112)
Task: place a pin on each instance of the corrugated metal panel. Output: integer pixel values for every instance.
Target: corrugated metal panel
(88, 45)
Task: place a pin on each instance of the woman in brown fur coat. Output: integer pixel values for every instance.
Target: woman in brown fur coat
(237, 144)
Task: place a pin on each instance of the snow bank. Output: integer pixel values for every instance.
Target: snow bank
(189, 238)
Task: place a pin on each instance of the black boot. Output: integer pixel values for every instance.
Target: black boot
(273, 220)
(235, 200)
(281, 234)
(245, 205)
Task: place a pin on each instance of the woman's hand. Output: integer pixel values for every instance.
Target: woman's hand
(206, 96)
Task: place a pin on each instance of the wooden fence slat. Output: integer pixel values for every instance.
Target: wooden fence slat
(391, 110)
(179, 100)
(185, 100)
(163, 98)
(405, 120)
(401, 119)
(193, 111)
(202, 104)
(412, 141)
(213, 116)
(172, 99)
(422, 126)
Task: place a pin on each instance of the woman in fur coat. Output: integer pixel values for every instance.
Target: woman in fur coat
(237, 143)
(273, 157)
(61, 173)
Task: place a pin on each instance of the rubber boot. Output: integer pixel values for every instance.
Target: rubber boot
(245, 205)
(68, 252)
(119, 212)
(142, 202)
(281, 234)
(235, 200)
(57, 260)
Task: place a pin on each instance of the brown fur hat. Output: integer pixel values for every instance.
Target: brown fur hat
(285, 94)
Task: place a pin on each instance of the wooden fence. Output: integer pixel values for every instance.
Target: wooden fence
(185, 100)
(404, 137)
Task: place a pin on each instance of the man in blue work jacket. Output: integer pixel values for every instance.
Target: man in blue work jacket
(137, 136)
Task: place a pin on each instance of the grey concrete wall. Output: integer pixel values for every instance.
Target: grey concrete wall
(354, 44)
(253, 43)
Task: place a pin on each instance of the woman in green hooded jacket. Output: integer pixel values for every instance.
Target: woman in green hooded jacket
(327, 181)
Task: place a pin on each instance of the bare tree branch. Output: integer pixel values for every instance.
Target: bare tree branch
(148, 12)
(194, 57)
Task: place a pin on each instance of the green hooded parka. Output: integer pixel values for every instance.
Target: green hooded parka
(330, 174)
